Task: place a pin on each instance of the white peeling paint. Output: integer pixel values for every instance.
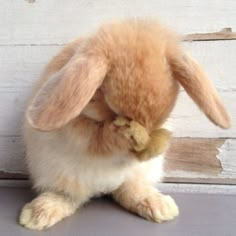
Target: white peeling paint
(227, 158)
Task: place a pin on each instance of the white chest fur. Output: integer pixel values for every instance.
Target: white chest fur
(56, 163)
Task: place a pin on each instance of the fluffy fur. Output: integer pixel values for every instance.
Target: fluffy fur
(96, 121)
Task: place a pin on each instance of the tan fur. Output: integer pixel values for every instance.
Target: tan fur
(97, 109)
(70, 185)
(66, 93)
(131, 69)
(189, 73)
(146, 201)
(108, 138)
(46, 210)
(133, 129)
(139, 73)
(57, 63)
(132, 57)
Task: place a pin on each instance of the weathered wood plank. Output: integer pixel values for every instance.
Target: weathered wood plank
(216, 57)
(187, 119)
(194, 155)
(199, 180)
(12, 106)
(50, 24)
(201, 161)
(58, 21)
(167, 188)
(12, 176)
(21, 66)
(224, 34)
(188, 160)
(183, 188)
(11, 155)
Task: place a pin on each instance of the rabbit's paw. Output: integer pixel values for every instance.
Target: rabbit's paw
(157, 208)
(134, 130)
(158, 144)
(39, 217)
(43, 212)
(145, 146)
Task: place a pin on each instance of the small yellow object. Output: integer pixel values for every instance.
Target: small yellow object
(136, 131)
(147, 146)
(140, 135)
(158, 144)
(121, 121)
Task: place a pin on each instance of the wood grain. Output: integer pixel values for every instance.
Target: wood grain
(194, 155)
(200, 161)
(189, 160)
(12, 154)
(33, 31)
(12, 176)
(20, 67)
(187, 119)
(224, 34)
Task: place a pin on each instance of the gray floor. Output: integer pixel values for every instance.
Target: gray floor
(200, 215)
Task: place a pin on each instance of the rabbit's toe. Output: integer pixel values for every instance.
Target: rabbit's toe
(40, 217)
(43, 212)
(158, 208)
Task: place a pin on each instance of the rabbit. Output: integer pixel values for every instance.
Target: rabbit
(98, 121)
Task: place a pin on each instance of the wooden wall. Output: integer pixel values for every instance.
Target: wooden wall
(31, 32)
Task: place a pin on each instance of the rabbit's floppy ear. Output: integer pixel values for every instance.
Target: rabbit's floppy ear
(64, 95)
(194, 80)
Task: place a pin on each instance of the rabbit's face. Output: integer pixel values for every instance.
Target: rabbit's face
(98, 109)
(142, 89)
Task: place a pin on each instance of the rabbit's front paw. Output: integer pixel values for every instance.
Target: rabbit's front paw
(39, 217)
(158, 208)
(158, 144)
(43, 212)
(144, 146)
(134, 130)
